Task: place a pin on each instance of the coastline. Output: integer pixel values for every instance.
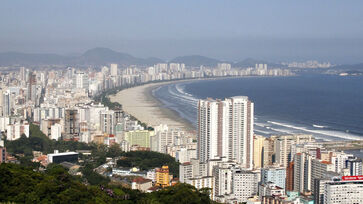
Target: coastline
(140, 102)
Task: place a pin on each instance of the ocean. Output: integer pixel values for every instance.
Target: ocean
(326, 106)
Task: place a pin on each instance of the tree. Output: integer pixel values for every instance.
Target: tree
(114, 150)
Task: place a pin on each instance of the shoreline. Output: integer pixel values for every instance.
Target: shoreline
(140, 102)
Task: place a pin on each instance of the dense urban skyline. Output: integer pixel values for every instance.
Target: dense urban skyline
(206, 102)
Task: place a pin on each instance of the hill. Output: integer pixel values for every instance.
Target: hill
(21, 184)
(96, 56)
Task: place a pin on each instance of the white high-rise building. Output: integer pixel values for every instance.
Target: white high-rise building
(225, 129)
(107, 122)
(162, 138)
(244, 184)
(339, 160)
(319, 169)
(302, 172)
(80, 80)
(284, 143)
(114, 70)
(15, 131)
(7, 103)
(231, 184)
(348, 190)
(55, 131)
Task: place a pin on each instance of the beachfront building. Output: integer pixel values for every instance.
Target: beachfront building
(225, 129)
(283, 145)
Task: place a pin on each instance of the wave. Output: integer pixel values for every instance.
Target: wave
(328, 133)
(319, 126)
(175, 97)
(263, 132)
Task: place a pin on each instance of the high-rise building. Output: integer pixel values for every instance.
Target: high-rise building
(232, 184)
(268, 152)
(80, 80)
(107, 121)
(244, 185)
(114, 70)
(355, 166)
(15, 131)
(319, 185)
(289, 184)
(258, 142)
(22, 74)
(275, 175)
(32, 88)
(71, 122)
(339, 160)
(283, 145)
(347, 190)
(319, 169)
(56, 131)
(222, 180)
(302, 172)
(225, 129)
(185, 171)
(7, 103)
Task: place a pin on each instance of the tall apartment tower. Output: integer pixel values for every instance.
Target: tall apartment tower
(80, 80)
(107, 121)
(71, 122)
(114, 70)
(302, 172)
(32, 87)
(225, 129)
(6, 103)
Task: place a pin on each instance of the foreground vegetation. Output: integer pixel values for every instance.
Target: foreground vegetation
(37, 141)
(146, 160)
(21, 184)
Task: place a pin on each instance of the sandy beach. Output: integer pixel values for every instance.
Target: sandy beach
(139, 102)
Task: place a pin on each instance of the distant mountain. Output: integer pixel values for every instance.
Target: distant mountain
(96, 56)
(101, 56)
(196, 60)
(17, 58)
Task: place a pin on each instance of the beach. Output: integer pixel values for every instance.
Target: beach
(140, 103)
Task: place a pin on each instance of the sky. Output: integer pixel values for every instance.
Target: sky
(274, 30)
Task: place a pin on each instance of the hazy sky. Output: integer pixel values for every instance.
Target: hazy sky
(274, 30)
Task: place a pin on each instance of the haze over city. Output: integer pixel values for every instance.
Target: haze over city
(277, 31)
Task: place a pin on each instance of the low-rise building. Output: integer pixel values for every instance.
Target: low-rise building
(141, 184)
(63, 157)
